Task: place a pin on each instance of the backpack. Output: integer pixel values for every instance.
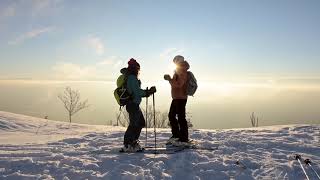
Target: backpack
(121, 93)
(192, 85)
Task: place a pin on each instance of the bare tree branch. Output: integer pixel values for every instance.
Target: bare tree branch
(161, 118)
(72, 102)
(254, 120)
(124, 120)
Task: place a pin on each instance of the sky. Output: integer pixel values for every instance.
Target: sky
(92, 40)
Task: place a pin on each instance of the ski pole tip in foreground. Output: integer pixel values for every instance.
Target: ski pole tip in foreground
(307, 161)
(297, 156)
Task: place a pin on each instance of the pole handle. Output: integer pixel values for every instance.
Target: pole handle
(297, 156)
(307, 161)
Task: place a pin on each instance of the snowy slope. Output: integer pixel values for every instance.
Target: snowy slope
(33, 148)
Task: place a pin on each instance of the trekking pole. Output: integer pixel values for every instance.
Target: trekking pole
(298, 158)
(118, 118)
(146, 120)
(154, 124)
(308, 162)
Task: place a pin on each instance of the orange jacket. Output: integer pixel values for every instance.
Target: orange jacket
(179, 85)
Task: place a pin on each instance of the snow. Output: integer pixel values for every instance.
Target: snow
(33, 148)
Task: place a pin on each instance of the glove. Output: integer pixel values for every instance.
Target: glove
(150, 91)
(167, 77)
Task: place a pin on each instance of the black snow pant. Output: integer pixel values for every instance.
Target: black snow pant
(179, 127)
(137, 122)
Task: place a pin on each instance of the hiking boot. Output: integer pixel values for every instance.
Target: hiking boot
(127, 148)
(192, 141)
(181, 143)
(137, 147)
(172, 140)
(133, 147)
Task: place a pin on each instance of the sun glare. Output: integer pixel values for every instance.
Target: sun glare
(172, 66)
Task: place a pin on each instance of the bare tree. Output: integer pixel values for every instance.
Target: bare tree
(188, 118)
(163, 121)
(124, 119)
(161, 118)
(254, 120)
(109, 123)
(71, 101)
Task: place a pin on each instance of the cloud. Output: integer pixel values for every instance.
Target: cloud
(30, 35)
(29, 8)
(104, 70)
(72, 71)
(171, 52)
(113, 61)
(96, 44)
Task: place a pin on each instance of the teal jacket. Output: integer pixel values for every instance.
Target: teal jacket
(134, 88)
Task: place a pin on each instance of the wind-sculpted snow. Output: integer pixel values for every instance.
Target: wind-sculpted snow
(90, 152)
(7, 125)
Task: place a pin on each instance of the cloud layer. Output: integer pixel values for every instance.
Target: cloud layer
(106, 69)
(30, 35)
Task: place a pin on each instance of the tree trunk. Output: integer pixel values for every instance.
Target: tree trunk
(70, 118)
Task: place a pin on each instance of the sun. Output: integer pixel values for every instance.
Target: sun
(172, 67)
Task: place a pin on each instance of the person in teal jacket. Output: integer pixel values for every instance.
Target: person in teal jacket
(137, 121)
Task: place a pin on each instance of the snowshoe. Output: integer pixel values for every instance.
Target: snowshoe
(172, 140)
(181, 144)
(132, 148)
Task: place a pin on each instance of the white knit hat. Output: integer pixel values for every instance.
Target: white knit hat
(178, 59)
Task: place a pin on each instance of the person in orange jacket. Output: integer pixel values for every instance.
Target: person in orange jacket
(179, 126)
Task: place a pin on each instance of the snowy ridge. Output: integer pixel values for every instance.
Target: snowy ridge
(5, 125)
(21, 129)
(11, 124)
(88, 152)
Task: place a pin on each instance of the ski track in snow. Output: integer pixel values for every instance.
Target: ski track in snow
(74, 152)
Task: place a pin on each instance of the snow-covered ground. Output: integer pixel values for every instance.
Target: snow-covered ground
(33, 148)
